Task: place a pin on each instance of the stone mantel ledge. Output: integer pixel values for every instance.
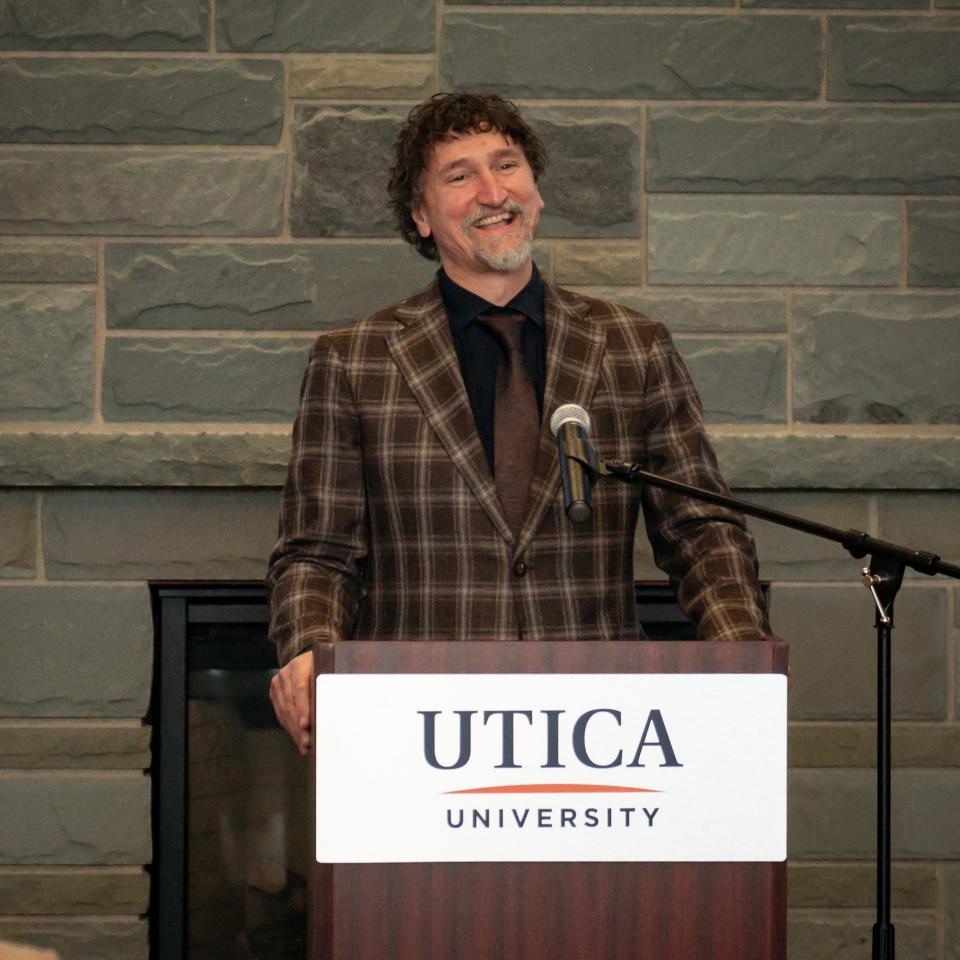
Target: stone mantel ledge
(257, 457)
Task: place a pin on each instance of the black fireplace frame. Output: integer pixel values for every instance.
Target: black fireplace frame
(176, 608)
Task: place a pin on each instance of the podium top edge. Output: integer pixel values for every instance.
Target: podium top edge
(573, 656)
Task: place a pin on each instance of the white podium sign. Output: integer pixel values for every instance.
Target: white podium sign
(559, 767)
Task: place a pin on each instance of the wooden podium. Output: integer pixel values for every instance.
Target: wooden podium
(549, 911)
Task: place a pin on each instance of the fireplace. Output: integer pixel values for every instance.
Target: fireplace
(233, 838)
(232, 829)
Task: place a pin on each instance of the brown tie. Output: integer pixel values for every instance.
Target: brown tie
(516, 419)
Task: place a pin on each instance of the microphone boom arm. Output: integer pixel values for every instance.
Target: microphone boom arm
(856, 542)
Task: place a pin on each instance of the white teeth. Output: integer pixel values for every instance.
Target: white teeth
(497, 218)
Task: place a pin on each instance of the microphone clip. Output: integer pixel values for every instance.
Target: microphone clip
(580, 449)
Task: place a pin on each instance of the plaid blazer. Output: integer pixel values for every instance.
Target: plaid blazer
(391, 528)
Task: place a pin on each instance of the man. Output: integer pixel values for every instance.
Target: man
(423, 499)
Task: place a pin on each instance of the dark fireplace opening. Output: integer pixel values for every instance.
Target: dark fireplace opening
(233, 837)
(232, 825)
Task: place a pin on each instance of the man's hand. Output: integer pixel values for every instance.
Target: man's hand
(291, 693)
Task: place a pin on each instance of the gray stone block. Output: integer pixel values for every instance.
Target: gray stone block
(773, 240)
(786, 554)
(18, 534)
(341, 161)
(222, 379)
(847, 935)
(842, 744)
(375, 26)
(543, 258)
(181, 534)
(855, 744)
(46, 366)
(53, 891)
(75, 820)
(833, 658)
(359, 77)
(912, 885)
(105, 744)
(148, 192)
(894, 59)
(83, 938)
(922, 521)
(642, 56)
(899, 462)
(934, 243)
(26, 261)
(831, 814)
(839, 4)
(71, 651)
(739, 380)
(241, 458)
(610, 262)
(592, 184)
(156, 100)
(703, 312)
(104, 25)
(257, 286)
(845, 371)
(802, 149)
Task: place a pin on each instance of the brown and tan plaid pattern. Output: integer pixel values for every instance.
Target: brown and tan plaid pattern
(391, 528)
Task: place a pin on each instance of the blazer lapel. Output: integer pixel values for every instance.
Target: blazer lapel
(575, 347)
(424, 352)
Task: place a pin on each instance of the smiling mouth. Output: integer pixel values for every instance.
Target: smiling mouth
(508, 216)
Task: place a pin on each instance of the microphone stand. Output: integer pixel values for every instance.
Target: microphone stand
(883, 576)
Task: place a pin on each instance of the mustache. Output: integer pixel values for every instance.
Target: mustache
(508, 206)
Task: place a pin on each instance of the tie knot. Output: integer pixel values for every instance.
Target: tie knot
(508, 329)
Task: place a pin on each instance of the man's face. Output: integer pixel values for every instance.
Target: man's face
(480, 203)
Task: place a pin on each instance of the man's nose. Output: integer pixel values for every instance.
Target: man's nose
(490, 191)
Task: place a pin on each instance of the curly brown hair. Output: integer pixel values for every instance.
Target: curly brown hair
(435, 120)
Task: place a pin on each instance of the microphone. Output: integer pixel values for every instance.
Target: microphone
(570, 424)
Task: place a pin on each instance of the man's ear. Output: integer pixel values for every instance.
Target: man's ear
(422, 224)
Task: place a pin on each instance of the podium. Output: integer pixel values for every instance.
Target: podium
(549, 910)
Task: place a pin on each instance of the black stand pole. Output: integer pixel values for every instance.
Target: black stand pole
(883, 576)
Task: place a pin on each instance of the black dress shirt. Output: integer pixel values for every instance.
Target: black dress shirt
(479, 352)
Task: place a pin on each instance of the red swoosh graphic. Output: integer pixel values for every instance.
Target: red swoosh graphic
(556, 788)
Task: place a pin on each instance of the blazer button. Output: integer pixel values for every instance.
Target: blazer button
(519, 568)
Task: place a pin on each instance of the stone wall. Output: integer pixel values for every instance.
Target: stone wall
(189, 190)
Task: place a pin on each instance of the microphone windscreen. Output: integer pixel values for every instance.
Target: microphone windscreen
(569, 413)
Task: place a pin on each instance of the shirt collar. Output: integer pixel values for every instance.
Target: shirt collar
(463, 307)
